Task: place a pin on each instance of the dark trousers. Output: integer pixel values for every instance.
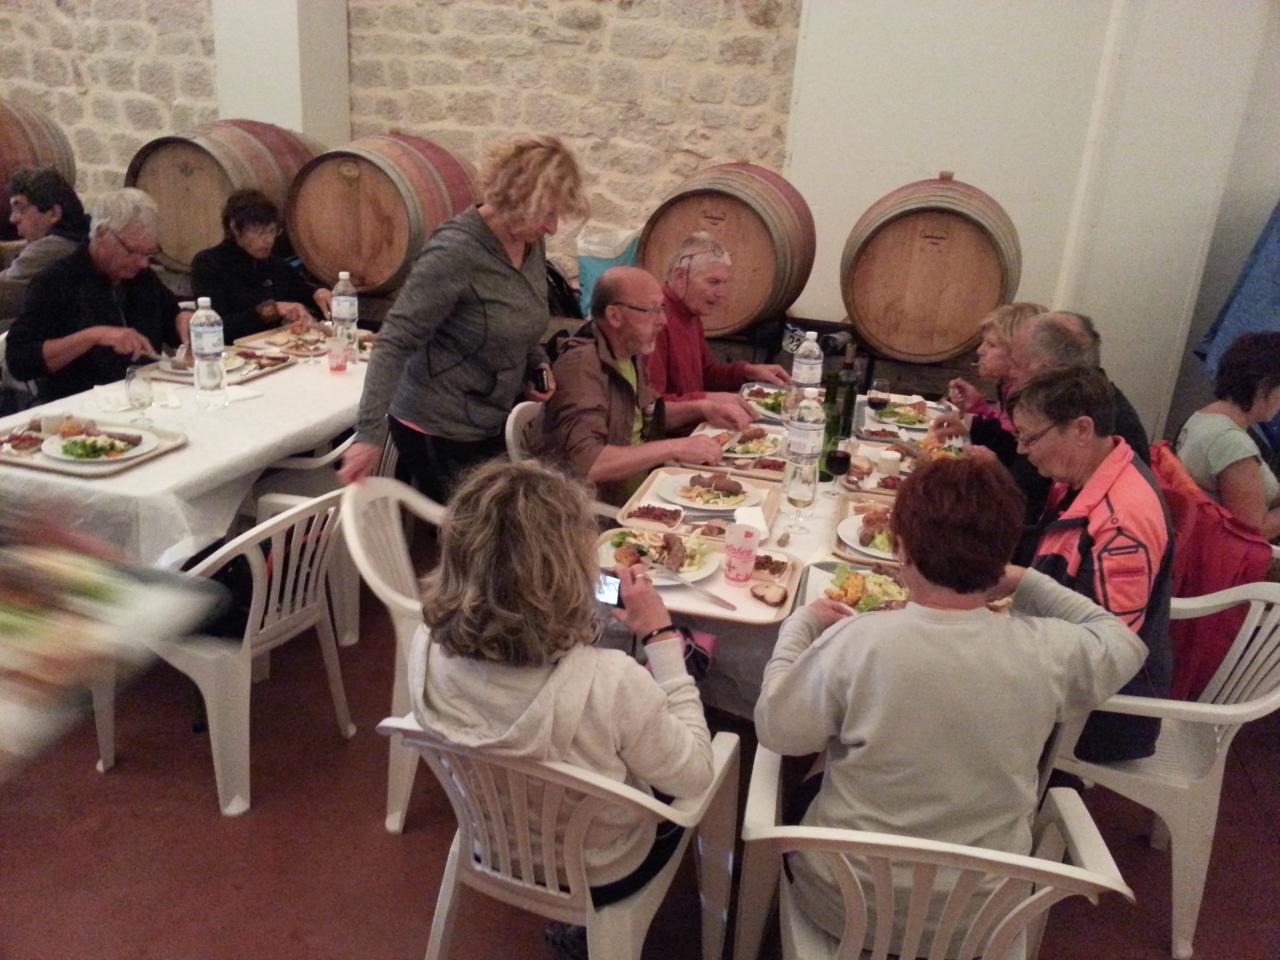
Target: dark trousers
(435, 464)
(664, 846)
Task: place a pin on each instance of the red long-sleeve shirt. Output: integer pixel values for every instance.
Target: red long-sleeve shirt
(682, 367)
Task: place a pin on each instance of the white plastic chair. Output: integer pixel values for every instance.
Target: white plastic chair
(289, 597)
(495, 851)
(1010, 909)
(372, 519)
(524, 426)
(1182, 781)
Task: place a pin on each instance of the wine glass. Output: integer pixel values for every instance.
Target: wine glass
(877, 398)
(799, 488)
(138, 393)
(838, 461)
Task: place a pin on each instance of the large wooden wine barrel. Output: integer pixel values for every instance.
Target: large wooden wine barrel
(29, 139)
(763, 223)
(190, 176)
(924, 265)
(369, 207)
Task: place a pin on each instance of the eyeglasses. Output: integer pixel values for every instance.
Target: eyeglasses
(651, 311)
(133, 251)
(1026, 443)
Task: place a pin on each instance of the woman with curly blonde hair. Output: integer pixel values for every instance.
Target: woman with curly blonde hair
(460, 345)
(510, 666)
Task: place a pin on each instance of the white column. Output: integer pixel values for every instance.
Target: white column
(284, 62)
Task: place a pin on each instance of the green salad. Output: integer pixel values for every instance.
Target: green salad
(904, 416)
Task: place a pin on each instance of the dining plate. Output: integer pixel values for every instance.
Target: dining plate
(710, 564)
(771, 440)
(231, 361)
(761, 411)
(849, 530)
(669, 490)
(52, 447)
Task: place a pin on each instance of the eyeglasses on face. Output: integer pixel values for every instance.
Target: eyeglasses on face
(146, 254)
(651, 311)
(1027, 442)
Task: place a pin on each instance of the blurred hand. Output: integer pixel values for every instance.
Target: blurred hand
(963, 393)
(948, 425)
(125, 341)
(830, 611)
(700, 448)
(768, 373)
(324, 300)
(642, 610)
(531, 392)
(358, 462)
(293, 312)
(728, 410)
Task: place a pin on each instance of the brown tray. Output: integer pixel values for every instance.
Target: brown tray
(692, 516)
(743, 467)
(846, 509)
(169, 441)
(680, 599)
(239, 375)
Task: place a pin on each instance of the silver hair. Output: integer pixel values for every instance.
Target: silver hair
(1056, 341)
(698, 250)
(120, 208)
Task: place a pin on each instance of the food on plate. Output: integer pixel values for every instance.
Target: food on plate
(933, 448)
(99, 446)
(667, 516)
(866, 590)
(22, 442)
(712, 528)
(770, 463)
(752, 442)
(264, 361)
(716, 490)
(774, 594)
(682, 555)
(906, 414)
(75, 426)
(860, 467)
(722, 438)
(766, 399)
(875, 532)
(770, 568)
(890, 483)
(879, 433)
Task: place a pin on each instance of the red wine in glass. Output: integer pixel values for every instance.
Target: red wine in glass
(838, 461)
(877, 401)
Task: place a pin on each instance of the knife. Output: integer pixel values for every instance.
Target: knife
(684, 581)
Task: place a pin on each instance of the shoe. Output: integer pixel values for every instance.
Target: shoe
(566, 941)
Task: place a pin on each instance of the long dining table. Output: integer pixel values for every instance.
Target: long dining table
(163, 511)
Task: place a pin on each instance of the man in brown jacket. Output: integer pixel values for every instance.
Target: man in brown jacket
(597, 421)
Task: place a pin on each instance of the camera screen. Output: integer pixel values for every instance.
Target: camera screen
(607, 589)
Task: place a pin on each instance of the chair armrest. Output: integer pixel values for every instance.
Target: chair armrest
(314, 463)
(1064, 810)
(1190, 710)
(761, 812)
(688, 811)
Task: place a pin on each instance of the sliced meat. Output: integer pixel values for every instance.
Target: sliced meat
(674, 549)
(703, 480)
(726, 485)
(752, 433)
(132, 439)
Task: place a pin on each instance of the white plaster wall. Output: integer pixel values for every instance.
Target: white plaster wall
(1104, 127)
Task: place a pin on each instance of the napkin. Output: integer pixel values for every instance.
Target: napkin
(752, 517)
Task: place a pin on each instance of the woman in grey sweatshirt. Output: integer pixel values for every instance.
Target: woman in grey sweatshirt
(461, 341)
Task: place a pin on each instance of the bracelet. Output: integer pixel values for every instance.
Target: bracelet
(669, 628)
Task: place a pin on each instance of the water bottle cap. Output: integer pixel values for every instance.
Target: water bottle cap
(344, 275)
(811, 393)
(204, 303)
(811, 335)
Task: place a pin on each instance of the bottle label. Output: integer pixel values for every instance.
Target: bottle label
(805, 441)
(806, 372)
(206, 340)
(345, 309)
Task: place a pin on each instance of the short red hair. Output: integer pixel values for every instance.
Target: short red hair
(958, 521)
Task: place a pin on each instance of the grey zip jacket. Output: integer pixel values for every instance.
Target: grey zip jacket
(455, 350)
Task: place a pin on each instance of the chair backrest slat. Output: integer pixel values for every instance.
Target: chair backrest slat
(517, 790)
(1249, 670)
(882, 875)
(999, 902)
(924, 877)
(855, 914)
(549, 834)
(1019, 920)
(953, 911)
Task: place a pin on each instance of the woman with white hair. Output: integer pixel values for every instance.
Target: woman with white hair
(89, 315)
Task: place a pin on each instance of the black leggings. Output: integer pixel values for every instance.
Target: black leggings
(664, 845)
(435, 464)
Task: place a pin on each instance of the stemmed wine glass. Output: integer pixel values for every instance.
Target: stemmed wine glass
(138, 393)
(877, 398)
(838, 461)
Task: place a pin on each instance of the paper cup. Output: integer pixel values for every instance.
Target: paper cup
(338, 350)
(740, 544)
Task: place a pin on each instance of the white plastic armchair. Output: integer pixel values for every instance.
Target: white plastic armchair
(373, 520)
(524, 425)
(507, 807)
(1181, 783)
(288, 558)
(1007, 895)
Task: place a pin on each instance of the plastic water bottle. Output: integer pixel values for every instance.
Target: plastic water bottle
(804, 449)
(806, 372)
(345, 309)
(207, 349)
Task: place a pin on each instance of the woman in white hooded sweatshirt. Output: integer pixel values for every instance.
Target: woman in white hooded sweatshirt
(511, 666)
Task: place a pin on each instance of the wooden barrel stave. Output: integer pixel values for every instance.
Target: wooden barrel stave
(29, 139)
(762, 221)
(924, 264)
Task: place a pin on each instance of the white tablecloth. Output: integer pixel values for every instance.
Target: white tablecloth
(163, 511)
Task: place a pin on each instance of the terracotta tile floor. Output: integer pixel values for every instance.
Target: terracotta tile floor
(139, 864)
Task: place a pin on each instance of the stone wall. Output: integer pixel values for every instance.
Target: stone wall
(647, 91)
(112, 73)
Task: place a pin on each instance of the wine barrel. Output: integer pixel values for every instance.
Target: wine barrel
(369, 207)
(190, 175)
(763, 223)
(924, 265)
(29, 139)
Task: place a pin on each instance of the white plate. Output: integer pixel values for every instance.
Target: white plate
(915, 428)
(773, 437)
(848, 531)
(232, 361)
(711, 563)
(761, 411)
(52, 447)
(822, 575)
(669, 490)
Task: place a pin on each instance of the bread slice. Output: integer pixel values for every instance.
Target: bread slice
(774, 594)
